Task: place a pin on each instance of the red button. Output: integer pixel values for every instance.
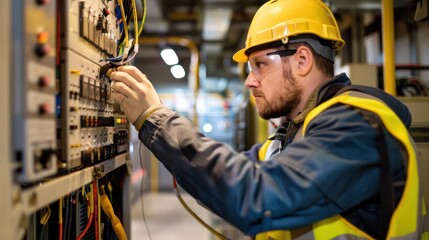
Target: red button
(42, 2)
(44, 108)
(42, 50)
(106, 11)
(43, 81)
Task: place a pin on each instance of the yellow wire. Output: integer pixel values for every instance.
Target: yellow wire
(46, 216)
(136, 23)
(110, 213)
(99, 209)
(143, 17)
(212, 230)
(91, 199)
(124, 21)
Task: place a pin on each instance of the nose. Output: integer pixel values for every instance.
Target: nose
(251, 81)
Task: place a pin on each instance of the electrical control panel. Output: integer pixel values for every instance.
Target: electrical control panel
(68, 138)
(34, 90)
(92, 128)
(64, 118)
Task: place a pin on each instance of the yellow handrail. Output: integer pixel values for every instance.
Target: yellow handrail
(388, 47)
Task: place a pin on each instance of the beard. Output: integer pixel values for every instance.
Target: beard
(284, 100)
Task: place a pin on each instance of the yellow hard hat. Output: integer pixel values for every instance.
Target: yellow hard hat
(278, 20)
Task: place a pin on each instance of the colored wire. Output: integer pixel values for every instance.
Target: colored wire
(143, 17)
(136, 22)
(114, 220)
(45, 218)
(90, 203)
(124, 21)
(99, 212)
(60, 220)
(141, 190)
(193, 214)
(96, 205)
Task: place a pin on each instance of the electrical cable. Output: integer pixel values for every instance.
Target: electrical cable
(60, 219)
(128, 48)
(44, 220)
(114, 220)
(124, 21)
(67, 218)
(193, 214)
(136, 22)
(143, 16)
(99, 212)
(96, 207)
(125, 57)
(90, 203)
(141, 190)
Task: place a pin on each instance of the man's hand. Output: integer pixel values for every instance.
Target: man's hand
(134, 92)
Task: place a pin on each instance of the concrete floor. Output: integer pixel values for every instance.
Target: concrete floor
(166, 218)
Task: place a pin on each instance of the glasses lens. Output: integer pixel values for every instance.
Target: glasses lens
(263, 65)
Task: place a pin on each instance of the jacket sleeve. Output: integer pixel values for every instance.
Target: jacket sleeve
(332, 169)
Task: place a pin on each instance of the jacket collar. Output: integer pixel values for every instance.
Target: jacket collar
(322, 93)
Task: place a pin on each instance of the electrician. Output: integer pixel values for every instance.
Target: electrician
(341, 164)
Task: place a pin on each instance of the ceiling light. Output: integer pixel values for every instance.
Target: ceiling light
(177, 71)
(216, 22)
(207, 127)
(169, 56)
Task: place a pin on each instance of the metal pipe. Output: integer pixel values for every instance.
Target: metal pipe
(388, 47)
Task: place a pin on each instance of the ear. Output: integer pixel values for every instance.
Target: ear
(304, 60)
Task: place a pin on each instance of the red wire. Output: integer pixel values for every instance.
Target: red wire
(86, 227)
(174, 183)
(60, 220)
(61, 232)
(88, 224)
(94, 184)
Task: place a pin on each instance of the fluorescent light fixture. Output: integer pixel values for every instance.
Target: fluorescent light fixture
(177, 71)
(207, 127)
(216, 22)
(169, 56)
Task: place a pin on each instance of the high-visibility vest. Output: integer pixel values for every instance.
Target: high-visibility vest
(409, 220)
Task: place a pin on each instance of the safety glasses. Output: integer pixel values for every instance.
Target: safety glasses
(266, 63)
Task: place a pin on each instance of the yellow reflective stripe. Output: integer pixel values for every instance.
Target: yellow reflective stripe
(336, 226)
(274, 235)
(263, 150)
(404, 219)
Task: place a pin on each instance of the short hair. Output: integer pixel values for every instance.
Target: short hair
(326, 66)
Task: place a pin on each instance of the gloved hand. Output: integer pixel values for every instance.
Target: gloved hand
(135, 93)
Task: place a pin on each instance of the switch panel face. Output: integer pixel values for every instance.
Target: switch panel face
(91, 127)
(34, 90)
(86, 29)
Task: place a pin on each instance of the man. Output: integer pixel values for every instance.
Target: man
(336, 166)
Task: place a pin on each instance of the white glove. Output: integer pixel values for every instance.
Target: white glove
(135, 93)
